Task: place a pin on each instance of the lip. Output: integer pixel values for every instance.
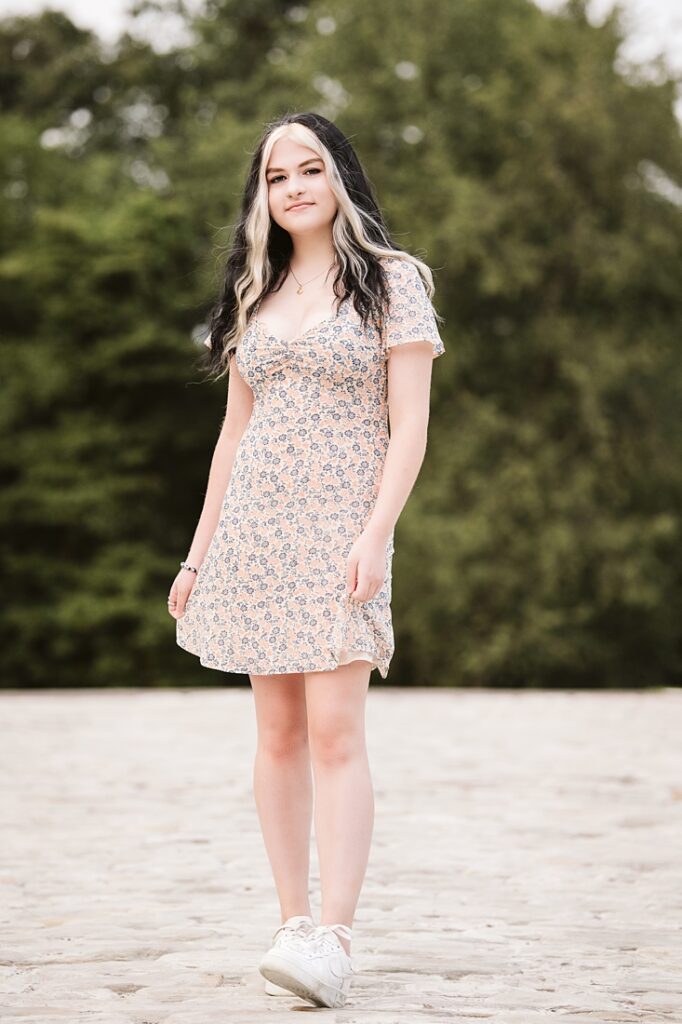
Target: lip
(298, 206)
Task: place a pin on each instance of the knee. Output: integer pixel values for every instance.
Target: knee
(332, 746)
(283, 742)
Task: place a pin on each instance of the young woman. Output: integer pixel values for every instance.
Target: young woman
(328, 333)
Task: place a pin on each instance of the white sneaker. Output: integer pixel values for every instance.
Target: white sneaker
(315, 966)
(293, 927)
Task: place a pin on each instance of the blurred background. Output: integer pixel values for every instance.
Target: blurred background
(531, 153)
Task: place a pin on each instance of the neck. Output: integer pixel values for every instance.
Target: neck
(311, 253)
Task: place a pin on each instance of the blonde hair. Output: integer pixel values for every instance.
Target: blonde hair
(355, 231)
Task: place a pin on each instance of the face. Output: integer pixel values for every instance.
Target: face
(296, 174)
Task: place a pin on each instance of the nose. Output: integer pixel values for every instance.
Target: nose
(296, 185)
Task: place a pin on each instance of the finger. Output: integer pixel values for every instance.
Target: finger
(351, 573)
(362, 589)
(370, 591)
(172, 600)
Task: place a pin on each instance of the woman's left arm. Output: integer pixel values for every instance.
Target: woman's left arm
(409, 387)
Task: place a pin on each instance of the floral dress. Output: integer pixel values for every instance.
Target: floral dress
(270, 595)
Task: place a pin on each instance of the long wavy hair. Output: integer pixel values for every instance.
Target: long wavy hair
(260, 250)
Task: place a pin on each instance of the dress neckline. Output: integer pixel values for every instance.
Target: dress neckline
(288, 341)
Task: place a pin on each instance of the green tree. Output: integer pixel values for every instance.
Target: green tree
(542, 543)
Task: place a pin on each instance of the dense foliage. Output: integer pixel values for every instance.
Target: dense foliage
(542, 544)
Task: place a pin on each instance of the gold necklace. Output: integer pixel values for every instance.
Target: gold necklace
(302, 286)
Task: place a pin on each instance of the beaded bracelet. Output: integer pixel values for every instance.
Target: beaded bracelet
(190, 567)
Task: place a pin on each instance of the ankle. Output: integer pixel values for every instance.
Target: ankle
(285, 915)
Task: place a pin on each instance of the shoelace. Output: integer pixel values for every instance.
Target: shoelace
(324, 933)
(296, 929)
(322, 929)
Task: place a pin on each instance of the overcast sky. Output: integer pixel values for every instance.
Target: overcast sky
(655, 26)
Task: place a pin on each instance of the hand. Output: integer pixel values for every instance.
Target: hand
(179, 592)
(366, 566)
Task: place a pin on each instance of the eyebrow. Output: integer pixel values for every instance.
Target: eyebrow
(313, 160)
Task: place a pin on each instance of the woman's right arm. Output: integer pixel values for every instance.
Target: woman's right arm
(237, 415)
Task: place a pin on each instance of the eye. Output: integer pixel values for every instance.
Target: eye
(314, 170)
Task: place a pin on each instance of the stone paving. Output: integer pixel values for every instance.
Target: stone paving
(526, 863)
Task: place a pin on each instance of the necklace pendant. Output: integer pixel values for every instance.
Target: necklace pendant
(298, 291)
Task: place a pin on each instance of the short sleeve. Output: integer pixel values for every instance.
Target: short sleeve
(411, 316)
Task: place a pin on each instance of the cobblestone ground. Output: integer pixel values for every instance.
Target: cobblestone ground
(526, 863)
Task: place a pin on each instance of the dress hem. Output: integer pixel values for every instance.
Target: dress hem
(382, 669)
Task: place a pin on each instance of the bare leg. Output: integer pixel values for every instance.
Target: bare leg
(344, 797)
(282, 784)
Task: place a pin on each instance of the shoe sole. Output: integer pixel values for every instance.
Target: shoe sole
(296, 979)
(276, 990)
